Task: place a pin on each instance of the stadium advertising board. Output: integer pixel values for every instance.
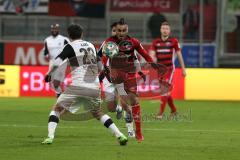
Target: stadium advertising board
(200, 84)
(24, 54)
(191, 55)
(32, 82)
(212, 84)
(24, 6)
(9, 81)
(82, 8)
(145, 5)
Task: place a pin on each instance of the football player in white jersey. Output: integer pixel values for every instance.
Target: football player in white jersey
(53, 45)
(84, 89)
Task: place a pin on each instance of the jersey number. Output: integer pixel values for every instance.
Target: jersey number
(88, 57)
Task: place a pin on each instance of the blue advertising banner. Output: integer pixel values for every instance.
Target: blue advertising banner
(191, 55)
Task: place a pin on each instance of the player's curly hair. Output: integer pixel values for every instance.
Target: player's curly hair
(75, 31)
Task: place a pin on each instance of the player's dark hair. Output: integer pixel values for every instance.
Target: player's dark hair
(166, 23)
(114, 24)
(75, 31)
(121, 21)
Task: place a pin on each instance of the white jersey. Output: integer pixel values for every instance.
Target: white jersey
(81, 56)
(54, 45)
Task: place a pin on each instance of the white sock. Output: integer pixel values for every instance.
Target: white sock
(51, 129)
(107, 121)
(130, 127)
(52, 125)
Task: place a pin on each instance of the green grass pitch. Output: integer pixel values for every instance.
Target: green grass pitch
(204, 130)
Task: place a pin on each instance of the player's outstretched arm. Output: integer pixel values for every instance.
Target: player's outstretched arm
(143, 52)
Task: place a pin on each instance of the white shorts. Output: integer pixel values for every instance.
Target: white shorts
(112, 90)
(74, 97)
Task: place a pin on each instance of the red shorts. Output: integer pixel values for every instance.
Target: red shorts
(130, 84)
(129, 80)
(166, 82)
(168, 77)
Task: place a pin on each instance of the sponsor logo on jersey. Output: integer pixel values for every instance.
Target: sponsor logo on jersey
(125, 46)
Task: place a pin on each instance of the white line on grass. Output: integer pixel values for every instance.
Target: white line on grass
(147, 129)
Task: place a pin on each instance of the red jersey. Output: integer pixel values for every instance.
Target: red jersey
(124, 61)
(125, 58)
(165, 50)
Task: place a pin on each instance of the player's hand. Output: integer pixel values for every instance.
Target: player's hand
(142, 75)
(47, 78)
(160, 68)
(184, 74)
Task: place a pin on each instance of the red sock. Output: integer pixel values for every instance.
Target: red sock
(163, 104)
(136, 112)
(171, 104)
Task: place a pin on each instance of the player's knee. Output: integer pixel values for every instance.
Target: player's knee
(134, 101)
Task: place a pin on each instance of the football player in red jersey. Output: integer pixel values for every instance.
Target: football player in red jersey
(113, 101)
(122, 71)
(164, 49)
(110, 93)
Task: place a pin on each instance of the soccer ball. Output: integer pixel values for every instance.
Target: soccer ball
(110, 49)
